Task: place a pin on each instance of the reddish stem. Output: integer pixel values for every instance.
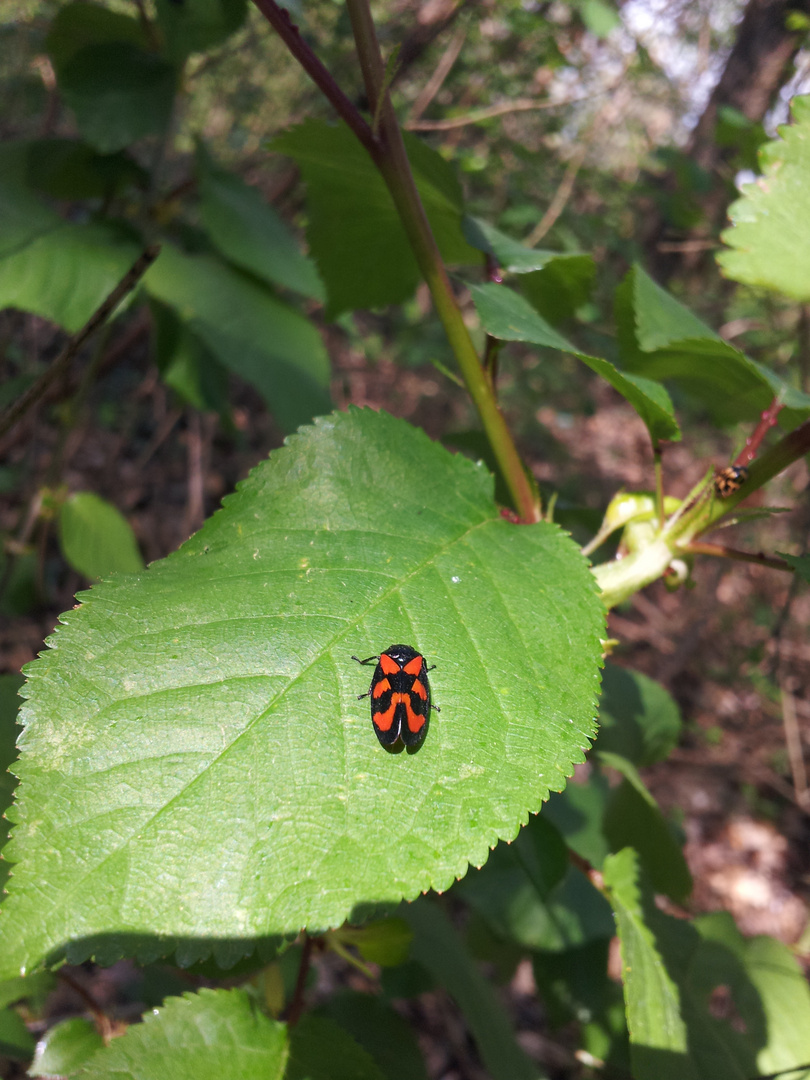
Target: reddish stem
(700, 547)
(279, 18)
(754, 441)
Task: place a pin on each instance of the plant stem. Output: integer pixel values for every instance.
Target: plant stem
(33, 394)
(297, 1003)
(392, 160)
(387, 150)
(701, 547)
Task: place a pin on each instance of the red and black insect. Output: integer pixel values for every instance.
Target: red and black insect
(400, 695)
(729, 480)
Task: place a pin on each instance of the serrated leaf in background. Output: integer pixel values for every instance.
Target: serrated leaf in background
(510, 317)
(658, 1033)
(555, 283)
(661, 339)
(196, 736)
(249, 330)
(249, 232)
(638, 718)
(66, 273)
(769, 236)
(204, 1036)
(800, 563)
(66, 1047)
(96, 538)
(439, 948)
(354, 231)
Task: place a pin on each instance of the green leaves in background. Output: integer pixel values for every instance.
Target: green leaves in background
(658, 1034)
(192, 27)
(510, 317)
(556, 283)
(203, 716)
(202, 1036)
(118, 88)
(250, 233)
(638, 718)
(66, 273)
(66, 1047)
(673, 972)
(248, 329)
(354, 231)
(438, 947)
(382, 1033)
(96, 538)
(769, 238)
(661, 339)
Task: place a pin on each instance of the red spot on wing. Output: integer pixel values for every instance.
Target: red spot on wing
(418, 689)
(389, 664)
(380, 688)
(414, 667)
(415, 721)
(384, 720)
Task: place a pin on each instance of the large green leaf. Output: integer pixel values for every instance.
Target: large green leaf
(770, 231)
(195, 760)
(65, 274)
(9, 705)
(249, 330)
(249, 232)
(354, 231)
(96, 538)
(202, 1036)
(439, 948)
(661, 339)
(510, 317)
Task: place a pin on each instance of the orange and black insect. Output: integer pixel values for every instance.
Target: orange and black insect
(729, 480)
(400, 695)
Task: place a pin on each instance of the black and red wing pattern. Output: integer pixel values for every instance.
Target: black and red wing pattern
(400, 696)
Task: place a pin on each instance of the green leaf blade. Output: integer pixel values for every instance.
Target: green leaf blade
(220, 685)
(202, 1036)
(96, 538)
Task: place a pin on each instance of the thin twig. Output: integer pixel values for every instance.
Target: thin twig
(102, 1021)
(489, 112)
(35, 392)
(701, 547)
(436, 80)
